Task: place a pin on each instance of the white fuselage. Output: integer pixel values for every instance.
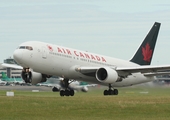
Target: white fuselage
(60, 61)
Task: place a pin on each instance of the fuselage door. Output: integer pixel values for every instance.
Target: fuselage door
(44, 54)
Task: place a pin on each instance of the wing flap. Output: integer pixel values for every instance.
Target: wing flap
(157, 73)
(144, 69)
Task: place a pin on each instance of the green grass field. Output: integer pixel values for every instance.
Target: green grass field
(130, 104)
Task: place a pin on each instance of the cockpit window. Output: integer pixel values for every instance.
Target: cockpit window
(26, 47)
(22, 47)
(29, 47)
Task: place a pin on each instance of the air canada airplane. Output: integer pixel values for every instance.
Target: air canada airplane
(41, 60)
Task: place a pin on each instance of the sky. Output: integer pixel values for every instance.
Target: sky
(113, 28)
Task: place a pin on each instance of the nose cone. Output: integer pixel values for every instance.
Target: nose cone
(17, 55)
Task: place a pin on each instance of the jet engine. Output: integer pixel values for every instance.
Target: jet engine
(107, 75)
(84, 89)
(33, 77)
(55, 89)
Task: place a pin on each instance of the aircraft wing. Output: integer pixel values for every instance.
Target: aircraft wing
(11, 66)
(147, 70)
(144, 69)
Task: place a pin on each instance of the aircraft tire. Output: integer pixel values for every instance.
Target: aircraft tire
(62, 93)
(72, 92)
(110, 92)
(67, 92)
(106, 92)
(115, 92)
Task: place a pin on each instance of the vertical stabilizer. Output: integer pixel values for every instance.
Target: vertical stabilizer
(144, 54)
(4, 76)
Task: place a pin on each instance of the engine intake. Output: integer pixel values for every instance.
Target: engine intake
(107, 75)
(33, 77)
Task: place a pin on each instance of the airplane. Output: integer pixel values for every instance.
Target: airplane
(12, 80)
(40, 60)
(2, 83)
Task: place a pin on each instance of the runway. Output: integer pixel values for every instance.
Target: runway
(25, 88)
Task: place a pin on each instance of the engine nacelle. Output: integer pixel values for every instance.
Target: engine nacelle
(33, 77)
(84, 89)
(55, 89)
(106, 75)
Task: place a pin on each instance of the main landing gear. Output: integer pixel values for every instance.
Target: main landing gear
(26, 75)
(110, 91)
(67, 91)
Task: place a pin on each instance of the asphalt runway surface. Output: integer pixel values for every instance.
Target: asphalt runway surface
(26, 88)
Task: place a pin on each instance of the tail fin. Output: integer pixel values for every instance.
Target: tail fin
(144, 54)
(4, 76)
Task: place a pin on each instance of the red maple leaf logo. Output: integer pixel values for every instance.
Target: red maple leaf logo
(147, 53)
(50, 48)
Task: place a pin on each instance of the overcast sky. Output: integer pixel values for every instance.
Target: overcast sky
(109, 27)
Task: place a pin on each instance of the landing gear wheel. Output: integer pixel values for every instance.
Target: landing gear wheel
(67, 92)
(62, 93)
(72, 92)
(110, 91)
(115, 91)
(105, 92)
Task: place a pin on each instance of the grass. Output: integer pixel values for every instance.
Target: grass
(130, 104)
